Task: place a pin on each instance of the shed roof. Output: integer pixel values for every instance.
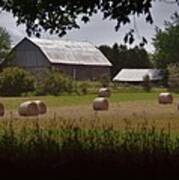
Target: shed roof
(137, 75)
(71, 52)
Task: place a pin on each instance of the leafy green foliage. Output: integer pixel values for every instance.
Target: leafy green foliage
(166, 43)
(60, 16)
(173, 77)
(5, 44)
(122, 57)
(105, 80)
(83, 87)
(54, 83)
(146, 83)
(15, 81)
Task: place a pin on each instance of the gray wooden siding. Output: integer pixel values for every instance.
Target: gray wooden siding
(28, 55)
(84, 72)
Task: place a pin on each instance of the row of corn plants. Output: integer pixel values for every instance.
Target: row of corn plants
(70, 151)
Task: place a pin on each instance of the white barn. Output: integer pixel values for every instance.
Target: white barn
(137, 75)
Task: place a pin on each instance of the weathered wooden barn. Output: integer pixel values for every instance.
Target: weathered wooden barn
(81, 60)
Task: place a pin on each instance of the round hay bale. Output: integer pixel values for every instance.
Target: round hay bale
(2, 109)
(100, 104)
(28, 108)
(41, 106)
(165, 98)
(104, 92)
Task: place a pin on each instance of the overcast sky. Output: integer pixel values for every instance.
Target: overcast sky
(100, 32)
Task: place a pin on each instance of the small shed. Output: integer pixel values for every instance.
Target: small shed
(137, 75)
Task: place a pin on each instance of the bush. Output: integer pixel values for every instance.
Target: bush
(173, 77)
(105, 80)
(14, 81)
(84, 88)
(54, 83)
(146, 83)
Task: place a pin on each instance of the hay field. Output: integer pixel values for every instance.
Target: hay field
(125, 109)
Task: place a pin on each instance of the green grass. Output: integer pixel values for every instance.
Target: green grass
(57, 144)
(118, 97)
(74, 100)
(51, 101)
(134, 107)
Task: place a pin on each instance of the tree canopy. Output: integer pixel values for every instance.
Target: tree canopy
(173, 77)
(122, 57)
(166, 43)
(4, 43)
(59, 16)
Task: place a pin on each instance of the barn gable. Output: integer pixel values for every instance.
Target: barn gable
(28, 55)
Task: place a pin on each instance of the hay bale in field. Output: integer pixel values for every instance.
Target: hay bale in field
(100, 104)
(104, 92)
(28, 108)
(41, 106)
(165, 98)
(2, 110)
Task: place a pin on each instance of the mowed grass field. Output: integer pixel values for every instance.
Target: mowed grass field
(132, 109)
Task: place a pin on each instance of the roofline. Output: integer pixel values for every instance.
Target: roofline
(28, 39)
(140, 69)
(48, 58)
(73, 64)
(86, 64)
(135, 81)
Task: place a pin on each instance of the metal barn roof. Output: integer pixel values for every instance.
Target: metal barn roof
(137, 75)
(71, 52)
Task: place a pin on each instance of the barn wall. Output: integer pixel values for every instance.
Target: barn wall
(29, 56)
(84, 72)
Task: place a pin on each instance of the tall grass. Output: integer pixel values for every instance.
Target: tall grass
(70, 151)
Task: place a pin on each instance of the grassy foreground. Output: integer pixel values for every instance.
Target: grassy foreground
(75, 153)
(134, 107)
(74, 100)
(133, 139)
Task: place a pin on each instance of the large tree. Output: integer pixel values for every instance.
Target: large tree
(166, 43)
(4, 44)
(122, 57)
(59, 16)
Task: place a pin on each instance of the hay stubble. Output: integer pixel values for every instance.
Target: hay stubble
(117, 116)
